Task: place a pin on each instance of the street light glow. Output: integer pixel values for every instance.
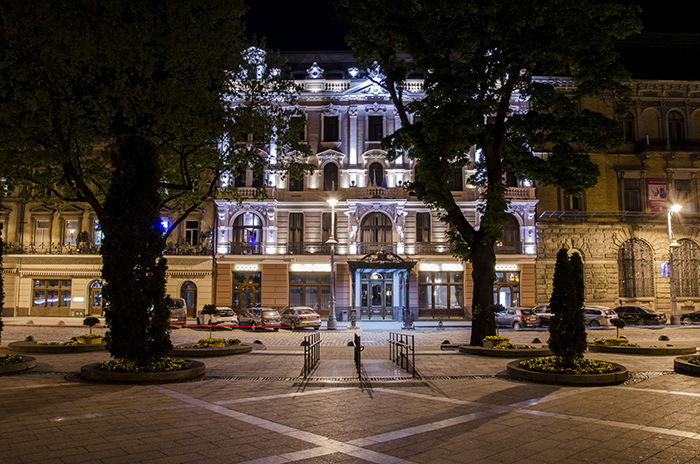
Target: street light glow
(676, 208)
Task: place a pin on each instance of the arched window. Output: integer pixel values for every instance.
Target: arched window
(376, 175)
(330, 177)
(188, 292)
(376, 228)
(675, 126)
(247, 235)
(95, 303)
(635, 264)
(686, 269)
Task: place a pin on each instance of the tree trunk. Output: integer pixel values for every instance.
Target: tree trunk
(483, 265)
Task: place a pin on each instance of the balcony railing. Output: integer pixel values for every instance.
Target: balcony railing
(522, 193)
(240, 249)
(52, 249)
(424, 248)
(185, 249)
(367, 248)
(667, 145)
(375, 192)
(508, 248)
(309, 249)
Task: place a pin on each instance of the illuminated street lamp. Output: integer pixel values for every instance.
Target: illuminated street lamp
(332, 323)
(672, 244)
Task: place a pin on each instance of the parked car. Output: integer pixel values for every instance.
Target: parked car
(224, 316)
(178, 311)
(517, 318)
(598, 315)
(634, 315)
(690, 318)
(297, 317)
(542, 310)
(260, 317)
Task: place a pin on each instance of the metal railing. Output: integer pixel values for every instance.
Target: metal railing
(306, 248)
(312, 352)
(432, 248)
(358, 355)
(400, 347)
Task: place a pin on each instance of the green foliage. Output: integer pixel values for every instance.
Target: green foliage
(211, 310)
(619, 323)
(90, 321)
(567, 328)
(482, 91)
(133, 269)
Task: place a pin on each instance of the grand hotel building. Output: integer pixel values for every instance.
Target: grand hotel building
(392, 253)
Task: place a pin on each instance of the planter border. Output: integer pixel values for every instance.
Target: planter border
(683, 366)
(91, 372)
(613, 378)
(34, 347)
(28, 363)
(505, 352)
(204, 352)
(643, 350)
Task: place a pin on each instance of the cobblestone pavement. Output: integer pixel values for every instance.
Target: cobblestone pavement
(255, 408)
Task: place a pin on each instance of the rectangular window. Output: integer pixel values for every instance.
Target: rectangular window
(41, 233)
(97, 234)
(70, 232)
(326, 220)
(441, 294)
(296, 227)
(296, 185)
(631, 197)
(573, 202)
(423, 227)
(683, 193)
(310, 289)
(376, 128)
(330, 129)
(627, 129)
(457, 183)
(52, 293)
(192, 232)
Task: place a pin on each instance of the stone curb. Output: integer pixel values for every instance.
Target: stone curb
(643, 350)
(203, 352)
(505, 353)
(28, 363)
(34, 347)
(620, 375)
(683, 366)
(91, 372)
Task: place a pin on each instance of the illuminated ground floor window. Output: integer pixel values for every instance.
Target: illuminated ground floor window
(52, 293)
(312, 289)
(246, 290)
(506, 289)
(441, 294)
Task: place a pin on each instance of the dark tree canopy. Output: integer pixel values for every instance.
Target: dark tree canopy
(479, 58)
(133, 267)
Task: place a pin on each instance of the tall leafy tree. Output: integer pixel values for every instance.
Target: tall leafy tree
(479, 58)
(133, 267)
(567, 328)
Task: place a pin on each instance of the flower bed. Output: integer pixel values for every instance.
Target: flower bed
(212, 347)
(586, 372)
(622, 346)
(163, 365)
(164, 371)
(13, 363)
(49, 347)
(507, 351)
(689, 365)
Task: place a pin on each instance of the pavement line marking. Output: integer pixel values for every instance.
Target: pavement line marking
(291, 457)
(667, 392)
(42, 385)
(283, 395)
(319, 440)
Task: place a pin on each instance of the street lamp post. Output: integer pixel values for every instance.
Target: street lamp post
(332, 323)
(673, 243)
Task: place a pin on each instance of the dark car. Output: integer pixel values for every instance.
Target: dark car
(542, 310)
(690, 318)
(634, 315)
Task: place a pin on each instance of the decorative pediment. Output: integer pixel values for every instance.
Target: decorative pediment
(376, 109)
(331, 110)
(371, 156)
(41, 209)
(330, 155)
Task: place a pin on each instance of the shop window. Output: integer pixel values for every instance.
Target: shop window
(375, 128)
(52, 293)
(95, 303)
(247, 235)
(330, 177)
(296, 228)
(441, 294)
(188, 292)
(506, 289)
(631, 196)
(246, 290)
(330, 129)
(312, 289)
(70, 232)
(686, 269)
(376, 228)
(635, 269)
(41, 233)
(192, 232)
(423, 227)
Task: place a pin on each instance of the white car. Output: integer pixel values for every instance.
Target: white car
(224, 316)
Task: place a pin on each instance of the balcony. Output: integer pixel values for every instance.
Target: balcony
(185, 249)
(646, 145)
(521, 193)
(508, 248)
(367, 248)
(426, 248)
(375, 192)
(52, 249)
(240, 249)
(309, 249)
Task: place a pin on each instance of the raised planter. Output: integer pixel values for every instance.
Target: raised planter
(34, 347)
(505, 352)
(613, 378)
(91, 372)
(682, 365)
(91, 341)
(643, 350)
(28, 363)
(188, 352)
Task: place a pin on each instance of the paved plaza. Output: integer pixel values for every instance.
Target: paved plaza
(255, 408)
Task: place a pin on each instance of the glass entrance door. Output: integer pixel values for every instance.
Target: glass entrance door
(377, 296)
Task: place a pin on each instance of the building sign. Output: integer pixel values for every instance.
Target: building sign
(657, 195)
(447, 267)
(323, 267)
(246, 267)
(506, 267)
